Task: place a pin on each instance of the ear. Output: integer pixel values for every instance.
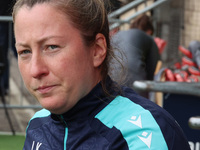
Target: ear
(100, 50)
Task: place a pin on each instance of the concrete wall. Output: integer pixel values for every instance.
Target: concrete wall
(191, 21)
(169, 21)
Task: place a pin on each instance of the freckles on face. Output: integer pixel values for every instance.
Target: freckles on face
(55, 64)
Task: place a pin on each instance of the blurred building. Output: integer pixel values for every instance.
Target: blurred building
(176, 21)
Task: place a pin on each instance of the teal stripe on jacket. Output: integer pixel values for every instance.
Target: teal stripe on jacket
(137, 125)
(40, 114)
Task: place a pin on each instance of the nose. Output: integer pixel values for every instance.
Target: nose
(39, 67)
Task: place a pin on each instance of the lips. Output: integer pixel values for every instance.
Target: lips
(45, 89)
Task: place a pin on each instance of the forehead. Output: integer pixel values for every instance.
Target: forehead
(43, 21)
(39, 10)
(43, 17)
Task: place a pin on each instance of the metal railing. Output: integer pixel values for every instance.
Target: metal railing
(169, 87)
(118, 22)
(174, 88)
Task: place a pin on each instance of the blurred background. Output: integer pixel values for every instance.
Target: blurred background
(176, 24)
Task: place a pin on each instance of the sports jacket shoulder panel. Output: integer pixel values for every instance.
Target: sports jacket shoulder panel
(136, 124)
(170, 128)
(41, 116)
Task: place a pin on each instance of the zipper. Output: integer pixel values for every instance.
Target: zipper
(66, 130)
(65, 139)
(62, 120)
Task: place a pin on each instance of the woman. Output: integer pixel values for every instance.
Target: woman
(140, 52)
(64, 52)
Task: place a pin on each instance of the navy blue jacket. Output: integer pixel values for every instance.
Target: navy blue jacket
(99, 122)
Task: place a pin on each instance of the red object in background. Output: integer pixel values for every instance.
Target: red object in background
(177, 65)
(181, 75)
(194, 71)
(184, 74)
(160, 43)
(185, 51)
(185, 71)
(188, 61)
(192, 78)
(169, 75)
(178, 77)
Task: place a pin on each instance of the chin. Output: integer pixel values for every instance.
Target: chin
(54, 110)
(53, 106)
(57, 103)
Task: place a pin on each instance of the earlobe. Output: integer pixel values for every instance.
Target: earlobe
(100, 50)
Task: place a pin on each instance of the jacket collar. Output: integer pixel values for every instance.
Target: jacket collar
(91, 104)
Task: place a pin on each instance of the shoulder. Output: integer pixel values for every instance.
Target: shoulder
(40, 114)
(141, 122)
(169, 127)
(39, 118)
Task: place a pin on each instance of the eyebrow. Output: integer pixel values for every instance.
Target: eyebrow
(39, 41)
(21, 44)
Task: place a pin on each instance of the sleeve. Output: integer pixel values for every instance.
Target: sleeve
(172, 132)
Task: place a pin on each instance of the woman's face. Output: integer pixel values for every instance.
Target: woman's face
(55, 64)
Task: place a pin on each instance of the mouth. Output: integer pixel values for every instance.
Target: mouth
(45, 89)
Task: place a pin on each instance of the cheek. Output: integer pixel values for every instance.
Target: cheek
(74, 71)
(24, 71)
(75, 63)
(66, 68)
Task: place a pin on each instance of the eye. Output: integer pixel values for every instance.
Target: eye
(24, 52)
(53, 47)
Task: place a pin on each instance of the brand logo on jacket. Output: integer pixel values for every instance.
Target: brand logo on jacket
(136, 121)
(144, 137)
(194, 146)
(36, 146)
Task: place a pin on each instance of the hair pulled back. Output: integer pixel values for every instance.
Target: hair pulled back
(88, 16)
